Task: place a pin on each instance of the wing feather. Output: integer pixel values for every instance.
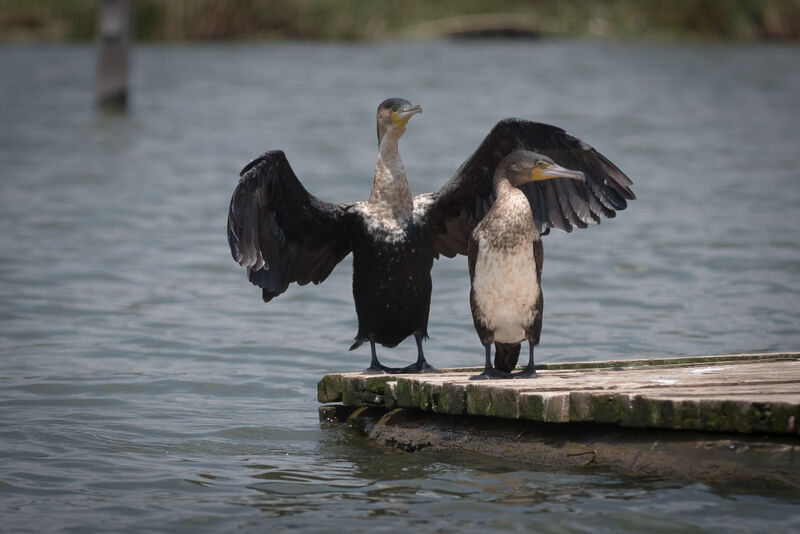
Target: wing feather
(279, 231)
(562, 204)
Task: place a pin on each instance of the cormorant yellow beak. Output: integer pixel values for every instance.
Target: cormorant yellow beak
(401, 116)
(548, 171)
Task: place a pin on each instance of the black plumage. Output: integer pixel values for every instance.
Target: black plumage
(562, 204)
(283, 234)
(280, 232)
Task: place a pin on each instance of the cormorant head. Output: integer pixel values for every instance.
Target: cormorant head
(393, 114)
(524, 166)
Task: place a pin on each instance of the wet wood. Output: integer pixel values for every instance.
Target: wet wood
(752, 462)
(719, 419)
(744, 393)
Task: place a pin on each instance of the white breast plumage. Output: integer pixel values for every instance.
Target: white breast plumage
(380, 222)
(383, 222)
(505, 286)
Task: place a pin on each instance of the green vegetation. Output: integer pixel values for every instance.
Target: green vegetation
(189, 20)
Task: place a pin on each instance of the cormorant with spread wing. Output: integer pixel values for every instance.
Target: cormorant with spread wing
(283, 234)
(505, 257)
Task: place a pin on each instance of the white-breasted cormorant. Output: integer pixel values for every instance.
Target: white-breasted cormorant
(283, 234)
(505, 265)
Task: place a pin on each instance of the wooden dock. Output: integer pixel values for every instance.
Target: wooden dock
(692, 414)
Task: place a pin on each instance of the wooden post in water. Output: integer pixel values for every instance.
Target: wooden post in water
(114, 36)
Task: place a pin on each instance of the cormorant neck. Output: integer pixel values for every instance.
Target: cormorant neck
(390, 187)
(502, 186)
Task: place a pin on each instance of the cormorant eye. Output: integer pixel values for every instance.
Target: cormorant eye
(394, 109)
(542, 164)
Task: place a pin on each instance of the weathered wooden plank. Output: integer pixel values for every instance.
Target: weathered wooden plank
(732, 393)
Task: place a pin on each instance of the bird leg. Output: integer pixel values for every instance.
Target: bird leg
(489, 371)
(529, 371)
(421, 365)
(376, 367)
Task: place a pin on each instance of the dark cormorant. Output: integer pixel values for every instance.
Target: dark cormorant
(283, 234)
(505, 265)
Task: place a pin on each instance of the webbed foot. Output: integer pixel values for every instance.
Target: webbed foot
(417, 368)
(491, 374)
(381, 369)
(526, 373)
(530, 370)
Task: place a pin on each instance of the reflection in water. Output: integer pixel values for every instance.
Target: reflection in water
(469, 489)
(145, 386)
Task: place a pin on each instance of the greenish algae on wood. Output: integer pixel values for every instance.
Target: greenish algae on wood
(743, 393)
(719, 419)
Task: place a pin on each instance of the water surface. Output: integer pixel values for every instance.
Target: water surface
(145, 386)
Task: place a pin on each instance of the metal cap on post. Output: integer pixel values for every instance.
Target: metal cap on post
(114, 36)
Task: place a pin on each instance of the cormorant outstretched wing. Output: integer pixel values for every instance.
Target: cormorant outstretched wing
(279, 231)
(562, 204)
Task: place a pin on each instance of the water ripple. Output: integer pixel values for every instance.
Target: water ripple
(145, 387)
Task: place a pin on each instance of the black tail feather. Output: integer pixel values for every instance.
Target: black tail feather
(506, 356)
